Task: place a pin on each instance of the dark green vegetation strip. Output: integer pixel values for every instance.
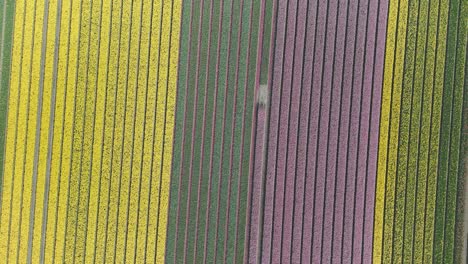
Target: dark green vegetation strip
(7, 12)
(450, 133)
(209, 182)
(461, 250)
